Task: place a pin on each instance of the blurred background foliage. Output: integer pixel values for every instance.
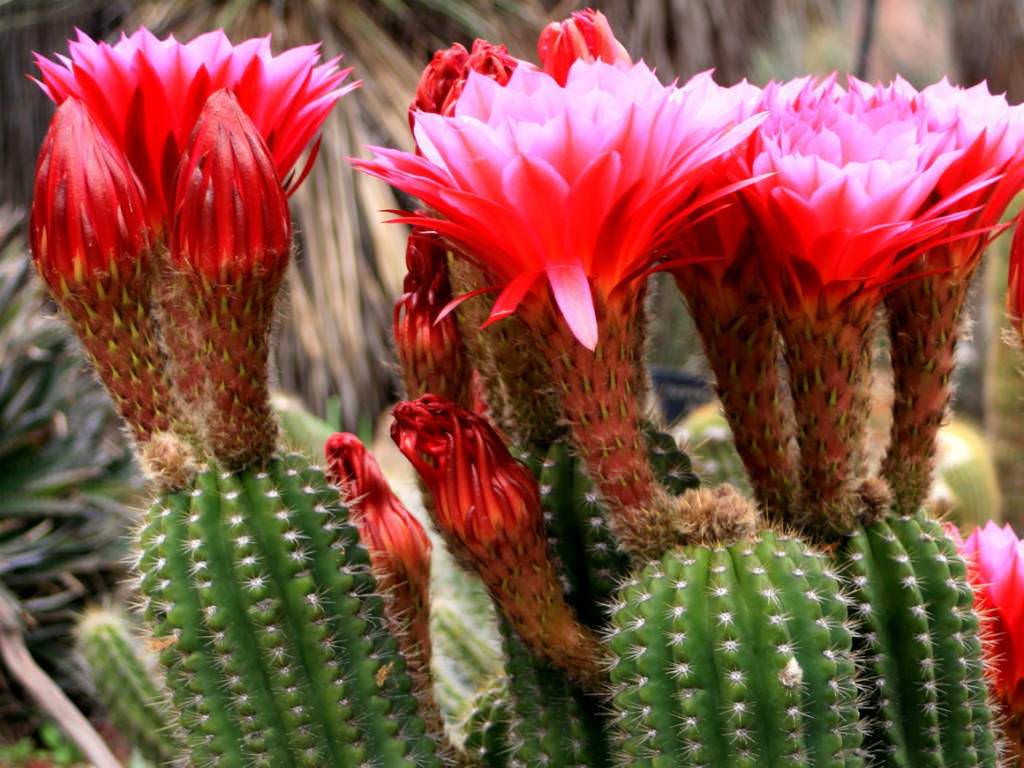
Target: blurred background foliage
(67, 486)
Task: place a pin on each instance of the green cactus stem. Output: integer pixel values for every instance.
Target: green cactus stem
(928, 700)
(485, 727)
(272, 638)
(735, 656)
(123, 673)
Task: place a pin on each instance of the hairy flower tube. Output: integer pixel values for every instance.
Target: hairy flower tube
(585, 35)
(148, 93)
(92, 247)
(399, 552)
(231, 241)
(487, 506)
(560, 196)
(1015, 294)
(924, 312)
(843, 206)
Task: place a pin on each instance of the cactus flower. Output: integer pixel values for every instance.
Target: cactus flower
(231, 241)
(846, 201)
(585, 35)
(996, 566)
(148, 93)
(1015, 294)
(445, 76)
(924, 313)
(399, 550)
(429, 346)
(92, 247)
(557, 196)
(487, 506)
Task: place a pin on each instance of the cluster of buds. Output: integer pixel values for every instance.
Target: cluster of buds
(160, 223)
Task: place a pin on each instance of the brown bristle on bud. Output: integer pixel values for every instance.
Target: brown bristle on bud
(399, 556)
(924, 325)
(168, 461)
(736, 326)
(487, 506)
(229, 248)
(430, 351)
(91, 245)
(829, 361)
(876, 499)
(715, 515)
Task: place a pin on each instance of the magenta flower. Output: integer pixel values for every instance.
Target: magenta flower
(148, 93)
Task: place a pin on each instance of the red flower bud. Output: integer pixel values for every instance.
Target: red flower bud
(430, 351)
(231, 216)
(487, 506)
(91, 245)
(585, 35)
(230, 242)
(445, 76)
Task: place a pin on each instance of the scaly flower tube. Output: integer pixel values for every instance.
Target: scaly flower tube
(995, 559)
(1015, 294)
(924, 313)
(92, 247)
(560, 196)
(487, 506)
(399, 555)
(845, 203)
(148, 93)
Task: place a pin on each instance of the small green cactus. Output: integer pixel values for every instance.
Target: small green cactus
(123, 673)
(924, 669)
(259, 592)
(736, 655)
(485, 727)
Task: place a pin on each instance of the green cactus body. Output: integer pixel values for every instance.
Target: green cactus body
(273, 641)
(122, 673)
(928, 702)
(591, 561)
(707, 434)
(465, 656)
(485, 727)
(735, 656)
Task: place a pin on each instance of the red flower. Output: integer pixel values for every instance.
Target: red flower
(429, 350)
(585, 35)
(91, 245)
(231, 217)
(445, 76)
(148, 93)
(996, 560)
(1015, 295)
(487, 506)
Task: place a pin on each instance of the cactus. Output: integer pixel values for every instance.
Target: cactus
(736, 655)
(259, 593)
(123, 673)
(928, 702)
(485, 727)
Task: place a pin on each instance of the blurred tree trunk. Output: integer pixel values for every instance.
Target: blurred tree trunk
(988, 43)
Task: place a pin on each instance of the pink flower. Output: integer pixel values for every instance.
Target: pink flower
(565, 189)
(996, 559)
(147, 93)
(585, 35)
(852, 172)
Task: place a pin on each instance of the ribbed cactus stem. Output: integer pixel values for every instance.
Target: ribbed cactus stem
(735, 656)
(829, 363)
(259, 595)
(924, 325)
(928, 696)
(124, 675)
(737, 328)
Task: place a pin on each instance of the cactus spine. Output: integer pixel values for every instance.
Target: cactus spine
(259, 591)
(123, 674)
(736, 655)
(928, 701)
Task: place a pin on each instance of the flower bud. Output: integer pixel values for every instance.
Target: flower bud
(90, 243)
(445, 76)
(487, 506)
(430, 351)
(585, 35)
(230, 242)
